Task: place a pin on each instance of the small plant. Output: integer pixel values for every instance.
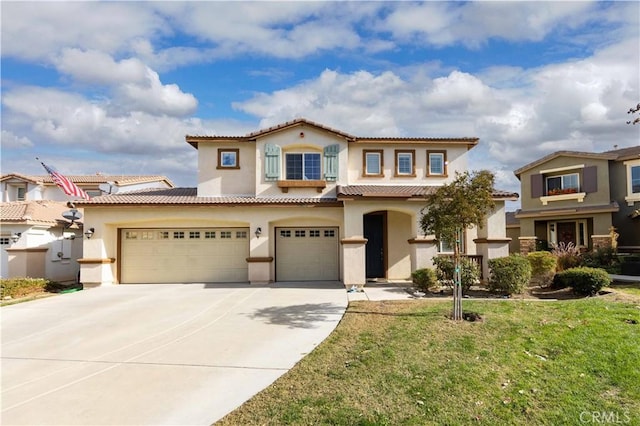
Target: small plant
(568, 255)
(469, 273)
(543, 267)
(584, 280)
(509, 274)
(425, 279)
(602, 257)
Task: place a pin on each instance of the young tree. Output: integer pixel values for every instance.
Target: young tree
(454, 207)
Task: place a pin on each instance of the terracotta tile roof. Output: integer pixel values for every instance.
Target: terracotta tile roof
(119, 180)
(193, 140)
(401, 191)
(188, 196)
(33, 212)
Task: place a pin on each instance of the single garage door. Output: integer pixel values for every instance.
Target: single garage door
(184, 255)
(307, 254)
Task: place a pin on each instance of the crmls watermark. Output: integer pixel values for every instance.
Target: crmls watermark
(605, 417)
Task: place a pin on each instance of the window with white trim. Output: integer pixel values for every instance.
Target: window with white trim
(448, 246)
(303, 166)
(436, 163)
(563, 184)
(405, 163)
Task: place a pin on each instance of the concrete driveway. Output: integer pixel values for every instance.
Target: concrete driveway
(156, 354)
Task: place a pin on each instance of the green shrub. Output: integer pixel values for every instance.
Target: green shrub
(568, 256)
(543, 267)
(584, 280)
(18, 287)
(602, 257)
(425, 279)
(509, 274)
(469, 272)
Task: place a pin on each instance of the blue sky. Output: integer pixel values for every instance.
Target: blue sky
(113, 87)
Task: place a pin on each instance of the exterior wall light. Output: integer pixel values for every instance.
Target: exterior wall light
(16, 236)
(89, 233)
(258, 232)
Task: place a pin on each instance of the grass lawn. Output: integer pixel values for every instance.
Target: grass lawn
(406, 363)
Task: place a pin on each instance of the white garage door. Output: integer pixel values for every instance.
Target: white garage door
(307, 254)
(184, 255)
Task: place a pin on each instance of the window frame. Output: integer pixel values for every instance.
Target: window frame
(631, 197)
(463, 246)
(444, 163)
(400, 152)
(221, 158)
(562, 190)
(365, 170)
(303, 155)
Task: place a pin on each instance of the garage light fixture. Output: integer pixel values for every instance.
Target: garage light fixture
(16, 236)
(89, 233)
(258, 232)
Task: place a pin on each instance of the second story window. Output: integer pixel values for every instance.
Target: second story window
(436, 163)
(22, 193)
(635, 180)
(228, 158)
(303, 166)
(563, 184)
(372, 163)
(405, 163)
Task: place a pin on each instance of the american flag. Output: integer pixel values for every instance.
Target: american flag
(65, 184)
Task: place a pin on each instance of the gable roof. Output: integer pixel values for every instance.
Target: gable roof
(577, 154)
(118, 180)
(40, 212)
(624, 154)
(194, 140)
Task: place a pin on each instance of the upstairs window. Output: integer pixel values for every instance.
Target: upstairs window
(373, 163)
(436, 163)
(228, 158)
(21, 193)
(405, 162)
(635, 180)
(563, 184)
(303, 166)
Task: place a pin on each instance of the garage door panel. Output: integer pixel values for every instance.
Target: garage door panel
(185, 255)
(307, 254)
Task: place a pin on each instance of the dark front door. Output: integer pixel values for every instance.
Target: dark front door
(374, 225)
(567, 232)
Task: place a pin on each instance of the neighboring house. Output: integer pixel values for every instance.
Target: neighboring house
(295, 202)
(21, 187)
(513, 232)
(35, 240)
(576, 197)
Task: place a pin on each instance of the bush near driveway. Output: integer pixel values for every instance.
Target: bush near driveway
(19, 287)
(425, 279)
(509, 274)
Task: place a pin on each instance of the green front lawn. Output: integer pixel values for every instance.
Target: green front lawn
(406, 363)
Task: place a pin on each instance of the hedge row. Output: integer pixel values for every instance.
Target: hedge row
(19, 287)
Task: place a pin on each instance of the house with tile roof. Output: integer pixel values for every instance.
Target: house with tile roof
(299, 201)
(577, 197)
(35, 240)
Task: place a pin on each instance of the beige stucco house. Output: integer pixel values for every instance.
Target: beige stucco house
(295, 202)
(577, 197)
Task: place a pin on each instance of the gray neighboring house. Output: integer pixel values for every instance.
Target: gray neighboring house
(577, 197)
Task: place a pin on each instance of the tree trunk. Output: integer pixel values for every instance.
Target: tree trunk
(457, 278)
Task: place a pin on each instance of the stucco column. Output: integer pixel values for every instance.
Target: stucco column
(259, 261)
(354, 261)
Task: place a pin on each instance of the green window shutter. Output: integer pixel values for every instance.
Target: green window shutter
(331, 162)
(271, 162)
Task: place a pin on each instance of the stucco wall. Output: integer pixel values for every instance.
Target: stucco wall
(214, 182)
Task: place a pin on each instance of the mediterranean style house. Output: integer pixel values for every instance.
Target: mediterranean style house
(35, 239)
(295, 202)
(577, 197)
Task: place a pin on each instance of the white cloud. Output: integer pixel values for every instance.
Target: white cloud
(10, 140)
(95, 67)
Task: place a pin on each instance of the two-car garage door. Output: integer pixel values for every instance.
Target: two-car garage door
(184, 255)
